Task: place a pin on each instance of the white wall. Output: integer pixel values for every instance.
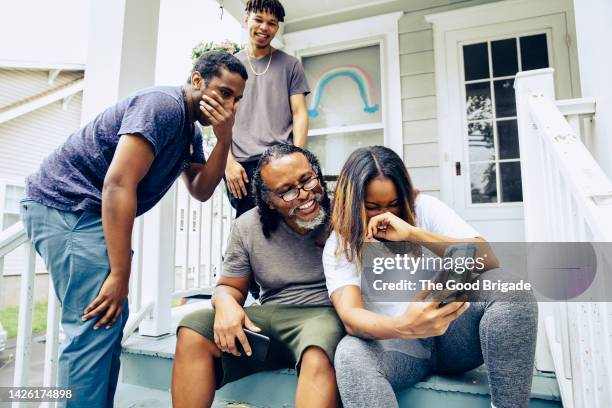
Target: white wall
(26, 140)
(593, 31)
(182, 25)
(44, 31)
(140, 43)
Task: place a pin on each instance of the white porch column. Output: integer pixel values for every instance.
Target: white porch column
(158, 264)
(593, 33)
(121, 59)
(122, 52)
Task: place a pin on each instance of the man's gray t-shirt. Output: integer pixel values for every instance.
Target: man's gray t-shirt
(264, 117)
(288, 267)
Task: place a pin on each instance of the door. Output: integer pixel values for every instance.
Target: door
(484, 147)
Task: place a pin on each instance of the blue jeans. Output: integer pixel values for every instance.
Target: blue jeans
(73, 248)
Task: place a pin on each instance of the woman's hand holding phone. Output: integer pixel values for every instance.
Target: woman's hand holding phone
(423, 319)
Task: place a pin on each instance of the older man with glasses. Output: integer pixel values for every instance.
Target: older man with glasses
(279, 243)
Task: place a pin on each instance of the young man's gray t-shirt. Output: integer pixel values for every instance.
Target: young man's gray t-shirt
(264, 117)
(288, 267)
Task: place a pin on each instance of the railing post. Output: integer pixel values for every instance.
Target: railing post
(187, 225)
(525, 85)
(136, 276)
(159, 238)
(51, 344)
(198, 267)
(24, 328)
(51, 339)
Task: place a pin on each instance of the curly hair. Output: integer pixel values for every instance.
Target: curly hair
(210, 63)
(271, 6)
(270, 218)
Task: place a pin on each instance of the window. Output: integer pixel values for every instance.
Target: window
(345, 106)
(11, 205)
(492, 133)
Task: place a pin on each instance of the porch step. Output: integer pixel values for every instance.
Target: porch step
(147, 364)
(134, 396)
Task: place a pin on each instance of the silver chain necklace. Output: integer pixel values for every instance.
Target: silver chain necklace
(251, 65)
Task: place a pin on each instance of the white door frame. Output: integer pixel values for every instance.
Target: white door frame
(472, 23)
(381, 30)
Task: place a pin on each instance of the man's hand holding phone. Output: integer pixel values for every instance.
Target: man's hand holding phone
(230, 321)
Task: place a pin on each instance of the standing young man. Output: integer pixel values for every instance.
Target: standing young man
(274, 106)
(81, 205)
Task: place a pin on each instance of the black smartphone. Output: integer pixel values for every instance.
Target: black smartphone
(259, 345)
(459, 273)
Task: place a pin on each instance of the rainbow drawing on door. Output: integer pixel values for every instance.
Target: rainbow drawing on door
(362, 80)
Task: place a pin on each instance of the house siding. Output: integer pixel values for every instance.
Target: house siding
(420, 133)
(17, 84)
(26, 140)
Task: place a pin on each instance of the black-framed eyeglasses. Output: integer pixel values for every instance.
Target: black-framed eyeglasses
(292, 194)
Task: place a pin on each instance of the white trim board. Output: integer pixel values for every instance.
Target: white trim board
(339, 11)
(381, 30)
(236, 9)
(493, 13)
(42, 65)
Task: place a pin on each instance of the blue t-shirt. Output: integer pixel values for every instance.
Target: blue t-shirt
(71, 178)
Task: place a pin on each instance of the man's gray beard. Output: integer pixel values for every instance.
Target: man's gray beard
(314, 223)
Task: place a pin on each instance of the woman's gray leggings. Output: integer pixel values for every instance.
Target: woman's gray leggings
(497, 329)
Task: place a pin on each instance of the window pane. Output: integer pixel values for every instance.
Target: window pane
(507, 135)
(483, 183)
(346, 87)
(505, 98)
(504, 57)
(478, 101)
(480, 139)
(476, 61)
(511, 182)
(11, 201)
(333, 150)
(534, 53)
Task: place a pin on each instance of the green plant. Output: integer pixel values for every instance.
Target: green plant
(225, 45)
(9, 317)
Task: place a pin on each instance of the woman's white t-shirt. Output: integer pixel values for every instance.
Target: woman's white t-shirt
(431, 215)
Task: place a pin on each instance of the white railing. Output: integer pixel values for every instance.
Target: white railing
(201, 234)
(568, 197)
(179, 245)
(10, 240)
(179, 234)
